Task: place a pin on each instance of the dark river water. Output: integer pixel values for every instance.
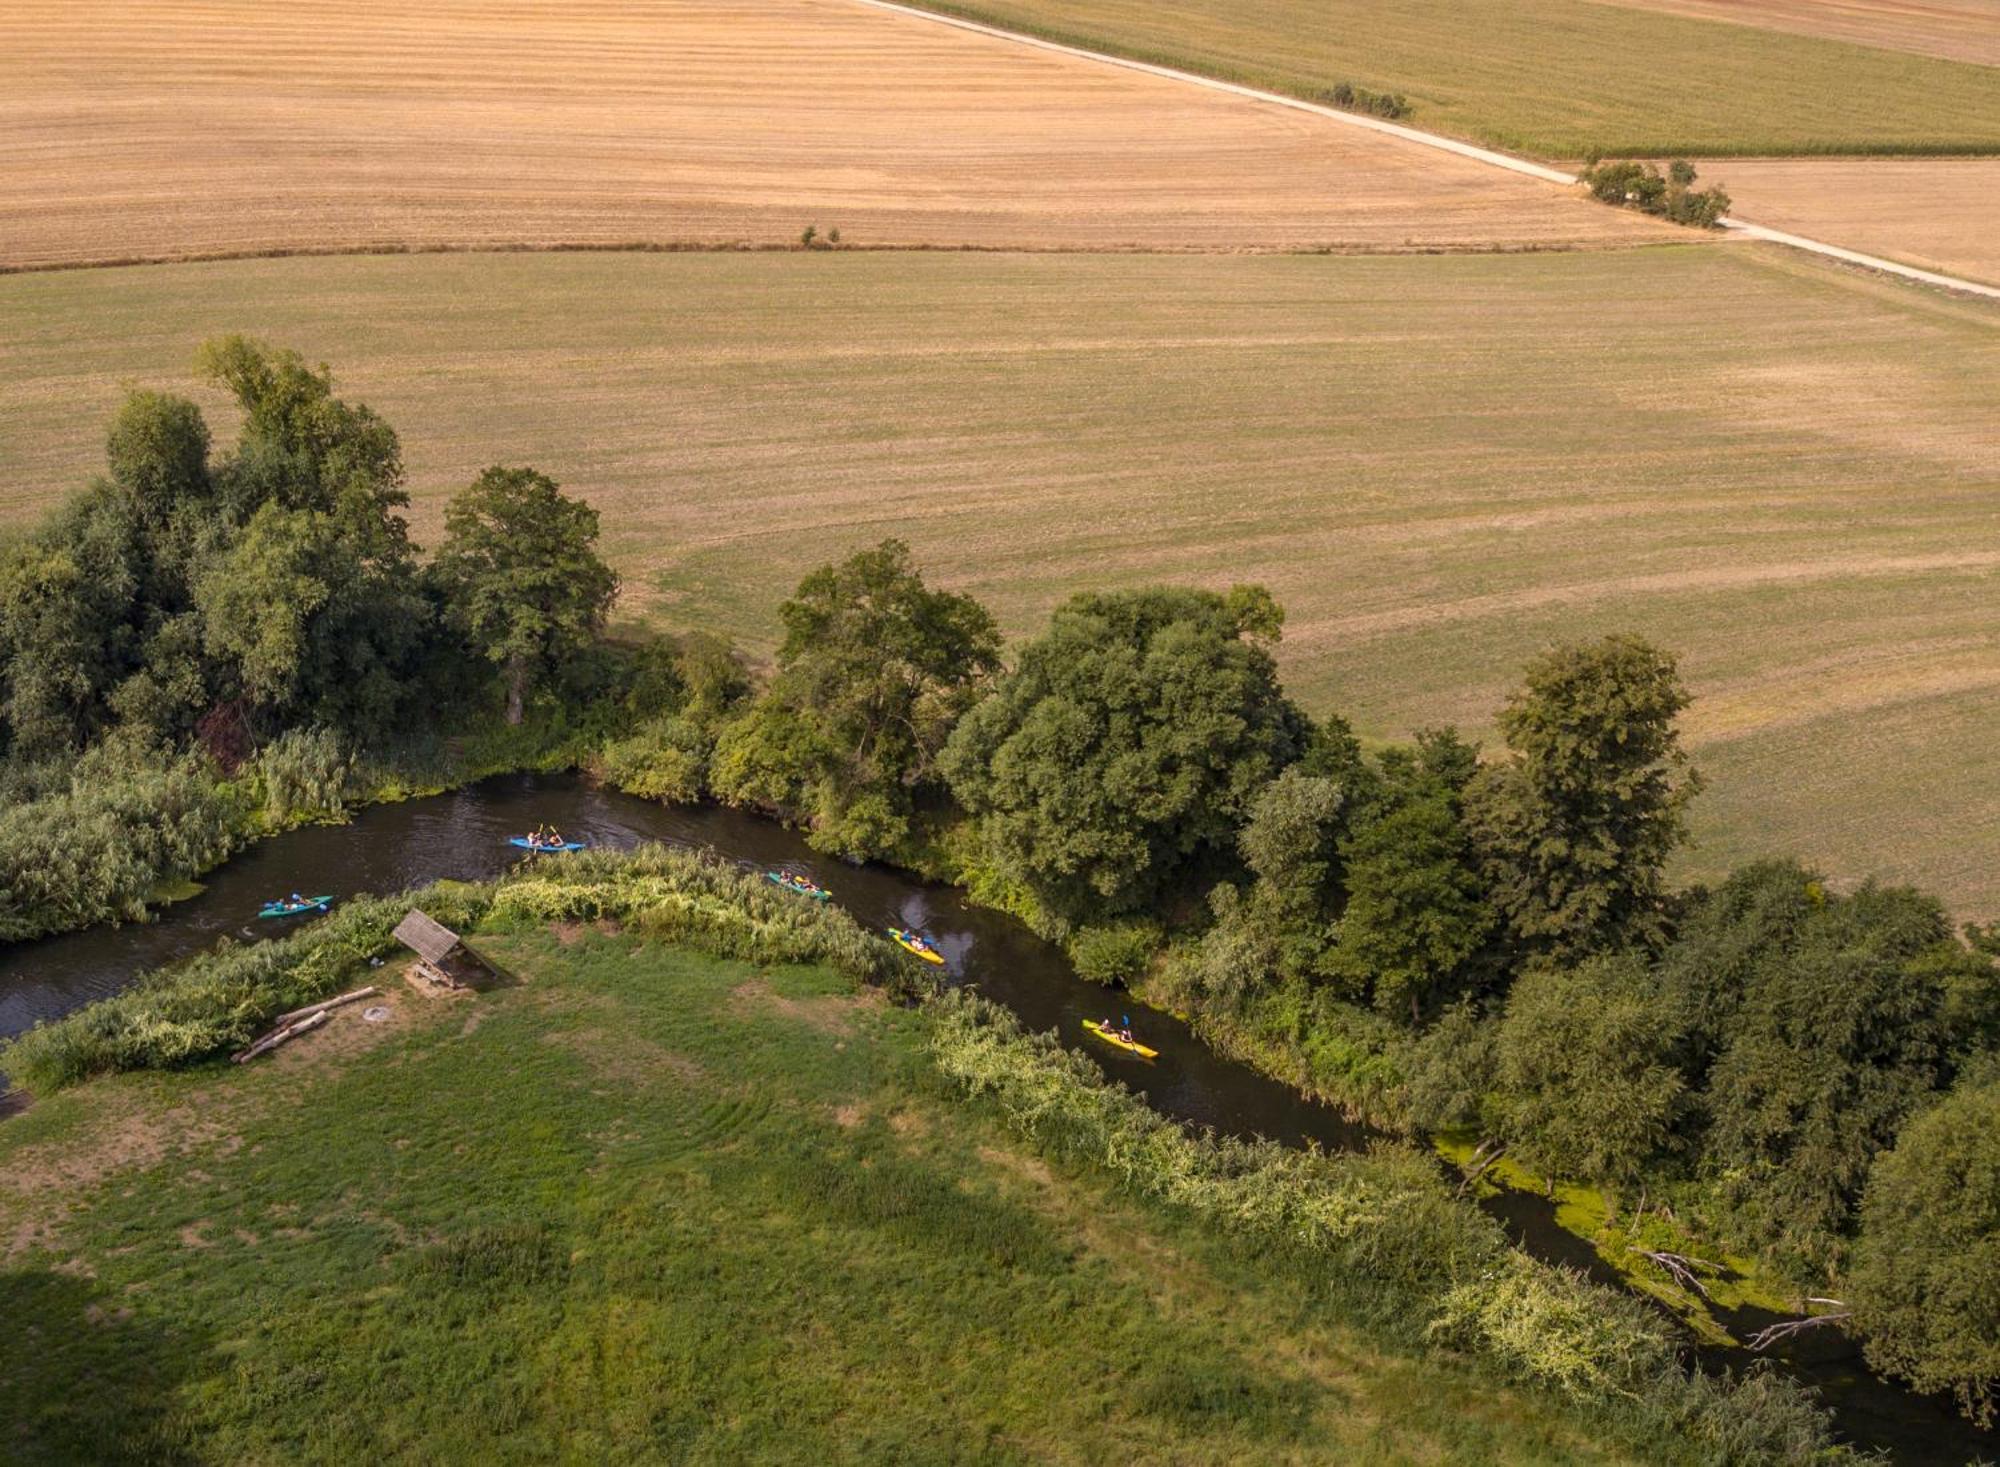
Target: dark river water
(464, 834)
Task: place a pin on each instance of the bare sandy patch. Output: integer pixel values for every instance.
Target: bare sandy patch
(147, 129)
(626, 1058)
(832, 1013)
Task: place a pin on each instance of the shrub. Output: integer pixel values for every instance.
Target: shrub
(1392, 105)
(1117, 953)
(667, 760)
(1554, 1326)
(307, 772)
(1926, 1284)
(1642, 186)
(92, 852)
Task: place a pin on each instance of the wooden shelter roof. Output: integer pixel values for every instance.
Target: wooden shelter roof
(428, 938)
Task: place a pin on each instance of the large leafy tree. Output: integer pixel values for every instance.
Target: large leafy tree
(875, 670)
(85, 598)
(1416, 915)
(313, 610)
(302, 448)
(521, 575)
(1843, 1028)
(1926, 1282)
(1576, 829)
(1585, 1081)
(1122, 753)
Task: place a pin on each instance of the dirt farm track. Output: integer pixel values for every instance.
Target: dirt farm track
(139, 131)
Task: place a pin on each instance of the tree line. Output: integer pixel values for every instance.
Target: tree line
(1484, 941)
(1770, 1064)
(258, 613)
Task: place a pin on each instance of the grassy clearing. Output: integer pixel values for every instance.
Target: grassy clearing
(643, 1205)
(1558, 78)
(1782, 470)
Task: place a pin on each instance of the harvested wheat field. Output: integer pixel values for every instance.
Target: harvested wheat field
(139, 130)
(1958, 30)
(1937, 213)
(1785, 470)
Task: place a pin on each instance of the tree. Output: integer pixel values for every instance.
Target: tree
(521, 575)
(875, 670)
(259, 599)
(1416, 913)
(1723, 942)
(1926, 1283)
(1842, 1032)
(306, 449)
(1575, 831)
(1585, 1083)
(1122, 753)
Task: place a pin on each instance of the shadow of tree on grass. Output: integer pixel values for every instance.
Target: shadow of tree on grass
(83, 1379)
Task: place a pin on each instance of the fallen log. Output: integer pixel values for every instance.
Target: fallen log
(1682, 1269)
(282, 1035)
(1484, 1166)
(1774, 1334)
(325, 1003)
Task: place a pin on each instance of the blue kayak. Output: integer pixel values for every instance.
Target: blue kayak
(527, 845)
(292, 909)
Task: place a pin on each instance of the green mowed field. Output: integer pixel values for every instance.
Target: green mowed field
(1787, 472)
(642, 1206)
(1557, 78)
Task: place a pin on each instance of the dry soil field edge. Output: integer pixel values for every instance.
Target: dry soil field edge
(1748, 228)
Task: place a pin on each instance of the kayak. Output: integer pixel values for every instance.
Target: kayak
(527, 845)
(288, 909)
(1112, 1036)
(798, 884)
(910, 942)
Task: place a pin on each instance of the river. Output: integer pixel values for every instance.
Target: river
(463, 835)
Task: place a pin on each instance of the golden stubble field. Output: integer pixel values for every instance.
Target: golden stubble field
(146, 129)
(1937, 213)
(1787, 471)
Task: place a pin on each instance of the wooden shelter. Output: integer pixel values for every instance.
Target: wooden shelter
(443, 959)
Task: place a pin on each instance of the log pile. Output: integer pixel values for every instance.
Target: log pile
(287, 1027)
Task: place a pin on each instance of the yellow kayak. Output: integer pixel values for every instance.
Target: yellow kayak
(1112, 1036)
(910, 942)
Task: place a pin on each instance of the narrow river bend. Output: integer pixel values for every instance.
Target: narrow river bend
(463, 835)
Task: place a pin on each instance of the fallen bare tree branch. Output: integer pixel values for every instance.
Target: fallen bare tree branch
(1787, 1329)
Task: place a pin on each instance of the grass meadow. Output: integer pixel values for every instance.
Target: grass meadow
(1783, 470)
(642, 1205)
(1555, 78)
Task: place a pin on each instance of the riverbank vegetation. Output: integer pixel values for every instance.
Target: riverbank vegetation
(1458, 941)
(728, 1207)
(201, 647)
(1450, 939)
